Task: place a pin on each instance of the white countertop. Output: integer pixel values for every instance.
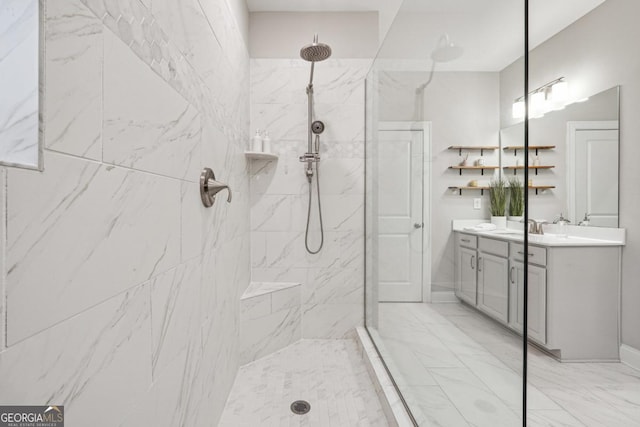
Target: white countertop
(577, 236)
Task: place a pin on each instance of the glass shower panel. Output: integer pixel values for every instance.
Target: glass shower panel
(437, 285)
(582, 339)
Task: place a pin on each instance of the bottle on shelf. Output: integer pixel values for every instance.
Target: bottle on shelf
(266, 142)
(256, 142)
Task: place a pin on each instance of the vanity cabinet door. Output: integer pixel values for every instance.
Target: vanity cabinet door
(493, 286)
(537, 300)
(466, 275)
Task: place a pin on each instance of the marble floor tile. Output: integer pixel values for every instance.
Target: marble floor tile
(589, 409)
(433, 407)
(551, 418)
(475, 401)
(329, 374)
(485, 389)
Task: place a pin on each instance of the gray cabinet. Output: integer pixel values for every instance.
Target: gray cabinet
(537, 295)
(573, 292)
(468, 283)
(537, 300)
(493, 284)
(465, 268)
(493, 288)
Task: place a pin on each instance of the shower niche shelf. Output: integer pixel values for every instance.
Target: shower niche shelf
(258, 155)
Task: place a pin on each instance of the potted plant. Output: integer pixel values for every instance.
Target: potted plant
(516, 199)
(498, 202)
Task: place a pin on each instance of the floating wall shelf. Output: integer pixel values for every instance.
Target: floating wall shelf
(516, 168)
(459, 189)
(258, 155)
(473, 147)
(480, 168)
(515, 148)
(541, 188)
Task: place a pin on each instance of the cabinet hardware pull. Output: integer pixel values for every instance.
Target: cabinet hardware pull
(511, 275)
(473, 257)
(522, 253)
(465, 240)
(479, 263)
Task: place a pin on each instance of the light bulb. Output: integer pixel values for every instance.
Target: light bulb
(517, 110)
(537, 105)
(559, 95)
(560, 92)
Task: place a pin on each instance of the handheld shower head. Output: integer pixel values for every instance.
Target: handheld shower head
(317, 127)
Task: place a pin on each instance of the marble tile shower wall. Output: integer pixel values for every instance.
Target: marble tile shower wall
(333, 280)
(120, 290)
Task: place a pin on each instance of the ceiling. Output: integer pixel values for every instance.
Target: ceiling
(316, 5)
(490, 31)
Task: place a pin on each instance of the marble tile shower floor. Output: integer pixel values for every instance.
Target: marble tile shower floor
(456, 367)
(329, 374)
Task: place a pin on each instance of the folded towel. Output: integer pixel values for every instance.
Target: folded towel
(482, 227)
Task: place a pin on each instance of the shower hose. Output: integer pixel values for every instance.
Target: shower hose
(306, 234)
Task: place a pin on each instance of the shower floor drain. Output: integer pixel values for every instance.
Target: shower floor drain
(300, 407)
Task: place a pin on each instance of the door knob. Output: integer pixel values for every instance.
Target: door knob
(417, 225)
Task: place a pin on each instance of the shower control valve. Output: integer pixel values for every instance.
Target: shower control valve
(310, 157)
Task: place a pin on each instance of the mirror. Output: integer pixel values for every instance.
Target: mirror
(19, 83)
(582, 164)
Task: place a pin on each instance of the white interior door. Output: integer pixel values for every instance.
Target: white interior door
(596, 186)
(400, 215)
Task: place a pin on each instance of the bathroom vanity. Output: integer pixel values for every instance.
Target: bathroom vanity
(574, 287)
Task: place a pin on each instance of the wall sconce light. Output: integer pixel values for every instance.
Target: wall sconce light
(548, 97)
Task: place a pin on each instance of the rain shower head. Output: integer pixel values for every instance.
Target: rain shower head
(446, 50)
(315, 51)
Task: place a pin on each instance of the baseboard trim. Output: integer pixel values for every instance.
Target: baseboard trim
(630, 356)
(444, 296)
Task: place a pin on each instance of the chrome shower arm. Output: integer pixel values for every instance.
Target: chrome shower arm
(310, 86)
(310, 112)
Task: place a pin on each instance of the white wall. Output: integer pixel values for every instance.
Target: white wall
(597, 52)
(463, 108)
(333, 280)
(121, 289)
(282, 34)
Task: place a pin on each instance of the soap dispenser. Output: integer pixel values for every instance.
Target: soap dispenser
(562, 224)
(266, 142)
(256, 142)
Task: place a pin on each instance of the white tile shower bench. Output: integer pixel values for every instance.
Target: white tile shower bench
(270, 318)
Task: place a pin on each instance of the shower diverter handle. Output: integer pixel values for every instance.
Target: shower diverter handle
(209, 187)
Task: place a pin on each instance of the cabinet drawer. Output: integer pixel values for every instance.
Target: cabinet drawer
(467, 240)
(495, 247)
(537, 255)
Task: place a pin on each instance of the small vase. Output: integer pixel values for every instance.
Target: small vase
(499, 221)
(515, 218)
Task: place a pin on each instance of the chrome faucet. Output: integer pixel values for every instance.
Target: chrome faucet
(535, 227)
(585, 220)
